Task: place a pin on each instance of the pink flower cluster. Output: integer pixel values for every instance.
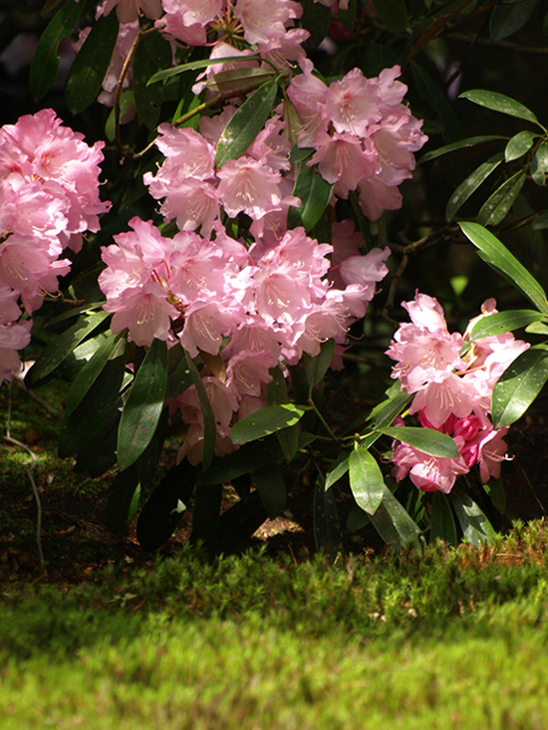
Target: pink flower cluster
(248, 309)
(48, 198)
(363, 136)
(453, 393)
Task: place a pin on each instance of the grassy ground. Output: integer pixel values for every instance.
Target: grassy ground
(110, 638)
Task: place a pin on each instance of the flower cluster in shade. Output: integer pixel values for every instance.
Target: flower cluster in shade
(49, 195)
(244, 310)
(452, 393)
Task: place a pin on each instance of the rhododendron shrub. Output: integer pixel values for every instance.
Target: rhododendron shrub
(252, 203)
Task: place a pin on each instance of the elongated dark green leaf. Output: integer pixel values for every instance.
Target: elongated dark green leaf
(431, 92)
(239, 78)
(179, 377)
(471, 184)
(45, 63)
(148, 99)
(327, 535)
(508, 19)
(497, 324)
(90, 65)
(266, 421)
(475, 526)
(393, 523)
(499, 258)
(426, 440)
(392, 14)
(62, 346)
(123, 500)
(168, 73)
(276, 394)
(499, 103)
(442, 522)
(539, 166)
(495, 489)
(144, 405)
(519, 145)
(246, 459)
(246, 123)
(316, 367)
(86, 422)
(127, 101)
(338, 469)
(210, 429)
(366, 480)
(272, 490)
(532, 239)
(314, 193)
(315, 19)
(90, 372)
(384, 413)
(497, 206)
(459, 145)
(519, 385)
(541, 222)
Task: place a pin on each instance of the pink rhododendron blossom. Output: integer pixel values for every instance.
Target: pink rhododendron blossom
(129, 10)
(263, 20)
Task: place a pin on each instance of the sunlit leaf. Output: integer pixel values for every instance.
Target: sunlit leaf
(499, 103)
(426, 440)
(497, 206)
(366, 480)
(474, 524)
(459, 145)
(393, 523)
(499, 258)
(539, 165)
(266, 421)
(519, 145)
(471, 184)
(501, 322)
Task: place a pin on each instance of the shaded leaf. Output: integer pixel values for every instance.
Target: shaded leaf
(392, 14)
(442, 522)
(168, 73)
(506, 20)
(393, 523)
(91, 371)
(123, 500)
(316, 367)
(426, 440)
(316, 19)
(210, 429)
(519, 145)
(501, 322)
(314, 193)
(495, 489)
(366, 480)
(271, 486)
(499, 103)
(327, 534)
(519, 385)
(459, 145)
(265, 422)
(246, 459)
(144, 405)
(246, 123)
(474, 524)
(539, 165)
(431, 92)
(531, 237)
(62, 347)
(471, 184)
(501, 260)
(88, 70)
(239, 78)
(148, 99)
(497, 206)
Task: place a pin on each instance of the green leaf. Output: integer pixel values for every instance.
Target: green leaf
(499, 103)
(246, 123)
(495, 490)
(144, 405)
(392, 14)
(537, 328)
(496, 207)
(431, 92)
(276, 394)
(366, 480)
(393, 522)
(266, 421)
(123, 500)
(271, 487)
(541, 222)
(314, 193)
(168, 73)
(499, 258)
(62, 347)
(338, 469)
(316, 19)
(90, 372)
(459, 145)
(519, 145)
(471, 184)
(90, 65)
(127, 101)
(327, 535)
(246, 459)
(506, 20)
(45, 63)
(442, 522)
(501, 322)
(316, 367)
(210, 428)
(519, 385)
(86, 422)
(532, 239)
(539, 165)
(384, 413)
(426, 440)
(148, 99)
(239, 78)
(179, 377)
(475, 526)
